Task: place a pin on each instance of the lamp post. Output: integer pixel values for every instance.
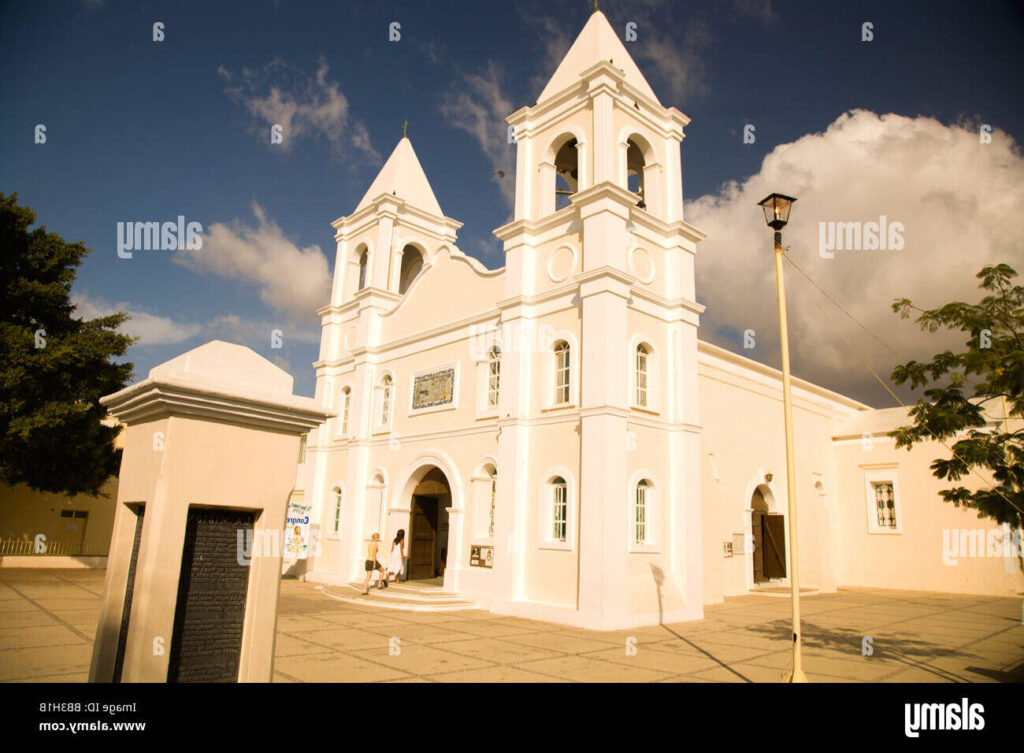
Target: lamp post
(776, 214)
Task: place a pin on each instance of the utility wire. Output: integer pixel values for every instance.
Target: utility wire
(881, 381)
(838, 306)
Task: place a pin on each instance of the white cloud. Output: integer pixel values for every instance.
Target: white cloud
(281, 94)
(477, 104)
(258, 332)
(961, 203)
(149, 328)
(675, 68)
(292, 280)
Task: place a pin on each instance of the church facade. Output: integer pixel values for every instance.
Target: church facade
(553, 436)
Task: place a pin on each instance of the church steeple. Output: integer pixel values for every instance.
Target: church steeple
(597, 42)
(403, 176)
(392, 235)
(598, 122)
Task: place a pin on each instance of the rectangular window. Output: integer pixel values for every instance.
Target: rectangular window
(337, 513)
(640, 516)
(882, 498)
(494, 491)
(493, 382)
(562, 374)
(885, 504)
(641, 378)
(559, 513)
(385, 402)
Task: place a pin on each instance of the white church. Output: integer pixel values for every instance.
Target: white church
(554, 437)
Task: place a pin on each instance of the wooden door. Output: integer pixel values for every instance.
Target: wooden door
(424, 538)
(775, 546)
(757, 529)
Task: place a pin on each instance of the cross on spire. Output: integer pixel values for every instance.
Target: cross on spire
(404, 126)
(595, 6)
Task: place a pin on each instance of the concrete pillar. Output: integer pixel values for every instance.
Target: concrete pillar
(211, 441)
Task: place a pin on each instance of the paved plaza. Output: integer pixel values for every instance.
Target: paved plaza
(48, 619)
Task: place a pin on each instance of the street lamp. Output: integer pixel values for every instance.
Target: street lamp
(776, 213)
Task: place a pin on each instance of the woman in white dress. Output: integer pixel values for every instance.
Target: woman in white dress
(396, 562)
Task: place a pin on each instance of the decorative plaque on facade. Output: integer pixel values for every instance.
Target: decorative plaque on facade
(433, 389)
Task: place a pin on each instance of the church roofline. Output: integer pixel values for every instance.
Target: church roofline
(348, 225)
(705, 348)
(625, 93)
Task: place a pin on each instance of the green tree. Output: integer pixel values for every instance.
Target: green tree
(986, 378)
(54, 366)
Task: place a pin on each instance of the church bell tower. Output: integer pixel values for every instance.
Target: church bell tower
(599, 208)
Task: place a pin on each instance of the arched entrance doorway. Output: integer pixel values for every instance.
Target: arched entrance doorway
(428, 526)
(768, 532)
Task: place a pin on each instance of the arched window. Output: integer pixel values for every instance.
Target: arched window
(493, 376)
(641, 513)
(385, 399)
(635, 164)
(562, 372)
(559, 509)
(643, 353)
(494, 494)
(364, 259)
(412, 265)
(336, 516)
(346, 400)
(566, 173)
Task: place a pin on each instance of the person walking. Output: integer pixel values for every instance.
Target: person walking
(372, 564)
(396, 562)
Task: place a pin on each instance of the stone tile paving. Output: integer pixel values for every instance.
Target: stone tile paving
(48, 619)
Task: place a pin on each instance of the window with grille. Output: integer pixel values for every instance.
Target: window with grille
(493, 376)
(385, 401)
(346, 394)
(559, 510)
(885, 503)
(494, 492)
(641, 511)
(562, 372)
(336, 523)
(642, 359)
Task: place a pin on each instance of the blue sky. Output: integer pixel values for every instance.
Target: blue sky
(138, 130)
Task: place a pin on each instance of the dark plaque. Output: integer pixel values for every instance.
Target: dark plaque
(126, 613)
(207, 640)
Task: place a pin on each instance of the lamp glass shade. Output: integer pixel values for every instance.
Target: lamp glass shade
(776, 209)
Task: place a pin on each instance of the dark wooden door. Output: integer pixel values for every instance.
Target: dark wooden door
(206, 643)
(424, 538)
(757, 529)
(775, 546)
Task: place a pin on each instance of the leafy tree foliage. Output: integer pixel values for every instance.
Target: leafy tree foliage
(967, 390)
(54, 366)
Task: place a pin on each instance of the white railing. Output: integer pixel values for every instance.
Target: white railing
(12, 547)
